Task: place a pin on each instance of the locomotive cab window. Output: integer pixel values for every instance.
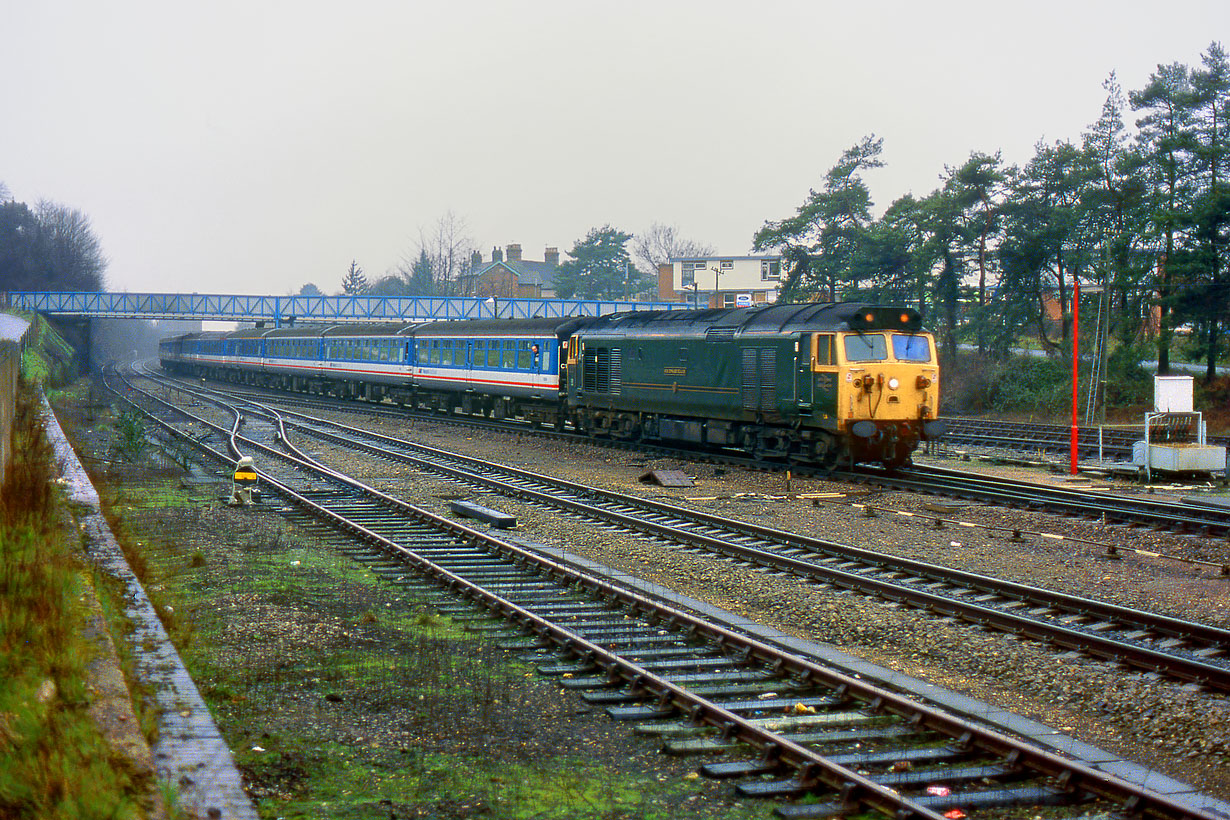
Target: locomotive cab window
(824, 354)
(865, 347)
(911, 348)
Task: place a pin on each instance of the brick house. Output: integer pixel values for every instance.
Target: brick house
(509, 276)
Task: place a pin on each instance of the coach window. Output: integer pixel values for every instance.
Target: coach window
(433, 355)
(509, 359)
(525, 357)
(493, 353)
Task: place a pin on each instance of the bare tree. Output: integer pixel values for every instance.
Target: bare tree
(448, 247)
(5, 194)
(74, 256)
(659, 243)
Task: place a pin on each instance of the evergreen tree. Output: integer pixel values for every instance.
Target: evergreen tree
(1206, 264)
(1164, 141)
(825, 235)
(354, 283)
(419, 282)
(599, 267)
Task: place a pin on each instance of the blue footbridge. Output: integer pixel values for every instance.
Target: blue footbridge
(288, 310)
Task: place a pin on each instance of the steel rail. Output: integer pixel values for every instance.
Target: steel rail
(814, 770)
(1069, 637)
(941, 481)
(931, 480)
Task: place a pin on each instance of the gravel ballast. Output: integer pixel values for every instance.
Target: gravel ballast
(1179, 730)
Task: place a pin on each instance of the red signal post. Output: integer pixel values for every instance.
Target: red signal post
(1076, 324)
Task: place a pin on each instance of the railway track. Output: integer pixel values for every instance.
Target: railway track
(791, 727)
(1181, 517)
(1188, 517)
(1108, 443)
(1184, 650)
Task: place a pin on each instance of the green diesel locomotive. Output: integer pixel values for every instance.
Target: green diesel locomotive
(819, 383)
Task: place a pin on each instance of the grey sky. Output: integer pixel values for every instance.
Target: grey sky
(251, 146)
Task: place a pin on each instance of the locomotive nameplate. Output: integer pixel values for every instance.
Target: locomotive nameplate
(674, 371)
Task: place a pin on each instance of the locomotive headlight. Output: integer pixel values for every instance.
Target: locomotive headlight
(893, 384)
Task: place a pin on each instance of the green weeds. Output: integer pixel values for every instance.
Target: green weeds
(54, 763)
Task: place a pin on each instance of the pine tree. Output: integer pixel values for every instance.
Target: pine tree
(354, 283)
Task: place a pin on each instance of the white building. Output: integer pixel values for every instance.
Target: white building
(721, 281)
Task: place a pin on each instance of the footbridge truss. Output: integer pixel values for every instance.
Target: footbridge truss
(287, 310)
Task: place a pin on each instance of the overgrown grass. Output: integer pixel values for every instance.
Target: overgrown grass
(342, 696)
(54, 763)
(47, 358)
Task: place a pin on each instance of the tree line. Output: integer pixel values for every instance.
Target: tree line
(48, 247)
(601, 265)
(1139, 216)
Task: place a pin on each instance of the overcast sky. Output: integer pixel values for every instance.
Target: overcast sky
(246, 146)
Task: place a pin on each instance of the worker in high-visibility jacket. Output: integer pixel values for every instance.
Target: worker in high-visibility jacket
(243, 482)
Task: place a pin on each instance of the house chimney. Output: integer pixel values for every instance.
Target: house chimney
(497, 255)
(551, 256)
(476, 258)
(514, 253)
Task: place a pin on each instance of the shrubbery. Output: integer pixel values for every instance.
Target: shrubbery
(1038, 386)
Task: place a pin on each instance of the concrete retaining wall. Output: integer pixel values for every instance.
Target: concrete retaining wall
(12, 334)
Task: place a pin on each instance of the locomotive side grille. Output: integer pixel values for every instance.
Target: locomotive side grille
(720, 334)
(759, 379)
(602, 371)
(751, 388)
(589, 370)
(616, 371)
(768, 379)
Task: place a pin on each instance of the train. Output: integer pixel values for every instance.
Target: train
(817, 383)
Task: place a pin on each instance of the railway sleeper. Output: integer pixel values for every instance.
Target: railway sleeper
(1034, 795)
(714, 745)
